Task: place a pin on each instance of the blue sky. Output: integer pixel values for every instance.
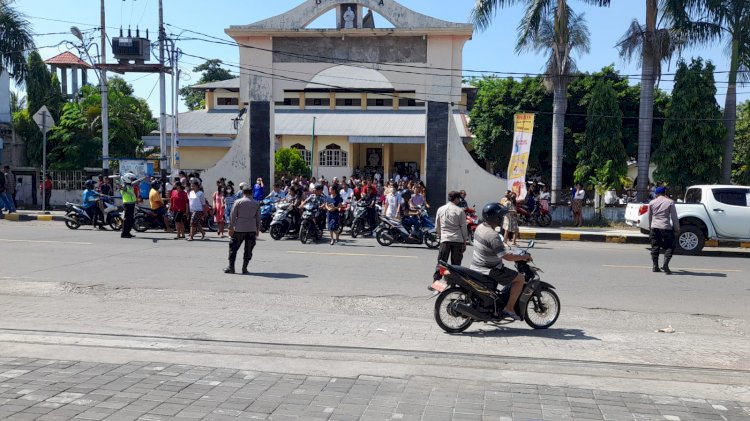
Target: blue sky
(491, 50)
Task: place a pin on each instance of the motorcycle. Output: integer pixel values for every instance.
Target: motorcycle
(346, 217)
(393, 231)
(538, 215)
(472, 221)
(267, 209)
(465, 296)
(308, 227)
(359, 218)
(75, 215)
(146, 218)
(283, 224)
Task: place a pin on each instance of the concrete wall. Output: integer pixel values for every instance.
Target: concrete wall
(359, 49)
(4, 98)
(200, 158)
(234, 165)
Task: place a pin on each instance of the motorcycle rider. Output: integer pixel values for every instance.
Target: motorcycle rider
(157, 204)
(89, 204)
(128, 201)
(318, 200)
(489, 253)
(462, 201)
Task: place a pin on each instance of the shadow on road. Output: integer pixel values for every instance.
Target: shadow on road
(725, 253)
(558, 334)
(709, 274)
(279, 275)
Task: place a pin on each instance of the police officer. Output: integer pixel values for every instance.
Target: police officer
(244, 222)
(664, 227)
(128, 201)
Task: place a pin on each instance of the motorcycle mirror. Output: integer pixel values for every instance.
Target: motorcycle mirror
(532, 243)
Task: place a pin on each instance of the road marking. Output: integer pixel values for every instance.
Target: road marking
(673, 269)
(570, 236)
(45, 242)
(351, 254)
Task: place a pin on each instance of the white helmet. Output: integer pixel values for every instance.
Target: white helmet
(129, 178)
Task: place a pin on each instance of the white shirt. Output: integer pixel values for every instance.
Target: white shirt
(346, 194)
(393, 201)
(544, 195)
(580, 194)
(196, 201)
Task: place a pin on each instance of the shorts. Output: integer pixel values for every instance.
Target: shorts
(180, 217)
(197, 219)
(503, 276)
(162, 211)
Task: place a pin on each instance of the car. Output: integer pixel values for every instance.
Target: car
(708, 212)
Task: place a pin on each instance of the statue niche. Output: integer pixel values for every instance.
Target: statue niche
(348, 16)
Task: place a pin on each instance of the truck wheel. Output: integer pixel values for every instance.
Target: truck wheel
(691, 240)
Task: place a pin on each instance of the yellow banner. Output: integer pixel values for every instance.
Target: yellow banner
(523, 129)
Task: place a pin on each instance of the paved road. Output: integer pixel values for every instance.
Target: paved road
(359, 308)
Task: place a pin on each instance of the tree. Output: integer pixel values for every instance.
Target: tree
(651, 45)
(17, 101)
(602, 144)
(211, 72)
(15, 42)
(690, 151)
(38, 83)
(730, 20)
(548, 26)
(741, 171)
(290, 163)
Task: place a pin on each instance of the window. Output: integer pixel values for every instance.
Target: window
(348, 102)
(732, 197)
(693, 196)
(227, 101)
(317, 102)
(407, 102)
(306, 155)
(333, 156)
(379, 102)
(289, 102)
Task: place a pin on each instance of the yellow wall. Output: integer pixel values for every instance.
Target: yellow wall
(407, 153)
(320, 143)
(200, 158)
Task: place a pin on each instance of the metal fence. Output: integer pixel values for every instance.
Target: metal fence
(67, 180)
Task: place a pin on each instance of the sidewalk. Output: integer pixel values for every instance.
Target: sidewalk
(57, 390)
(34, 215)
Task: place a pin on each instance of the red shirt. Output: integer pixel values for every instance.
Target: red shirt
(178, 201)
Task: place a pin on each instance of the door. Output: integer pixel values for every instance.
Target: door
(730, 211)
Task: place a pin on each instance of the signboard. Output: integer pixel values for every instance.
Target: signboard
(139, 167)
(523, 129)
(43, 119)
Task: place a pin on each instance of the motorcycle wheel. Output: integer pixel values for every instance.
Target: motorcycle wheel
(71, 221)
(305, 232)
(276, 232)
(116, 223)
(431, 241)
(264, 225)
(358, 228)
(447, 318)
(544, 220)
(140, 224)
(543, 310)
(384, 237)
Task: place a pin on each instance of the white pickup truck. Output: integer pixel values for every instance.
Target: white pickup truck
(708, 212)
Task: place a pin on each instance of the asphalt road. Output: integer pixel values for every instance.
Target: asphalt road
(359, 308)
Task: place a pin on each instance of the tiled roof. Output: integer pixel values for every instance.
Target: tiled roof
(204, 122)
(67, 59)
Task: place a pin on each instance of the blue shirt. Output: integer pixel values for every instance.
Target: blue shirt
(89, 198)
(258, 193)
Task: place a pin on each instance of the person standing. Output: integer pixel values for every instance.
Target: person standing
(198, 206)
(157, 204)
(578, 198)
(178, 205)
(333, 205)
(259, 192)
(46, 188)
(128, 202)
(243, 228)
(393, 202)
(450, 227)
(10, 189)
(219, 216)
(510, 220)
(665, 228)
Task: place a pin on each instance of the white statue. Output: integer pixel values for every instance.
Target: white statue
(349, 16)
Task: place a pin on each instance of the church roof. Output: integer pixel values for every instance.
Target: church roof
(67, 59)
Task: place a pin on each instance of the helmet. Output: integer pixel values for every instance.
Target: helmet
(90, 184)
(156, 184)
(129, 178)
(242, 185)
(493, 213)
(318, 187)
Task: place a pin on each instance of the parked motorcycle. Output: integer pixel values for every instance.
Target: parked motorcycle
(308, 227)
(359, 220)
(538, 215)
(146, 218)
(346, 217)
(267, 209)
(75, 215)
(394, 231)
(283, 223)
(465, 296)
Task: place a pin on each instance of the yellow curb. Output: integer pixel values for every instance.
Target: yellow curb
(11, 217)
(570, 236)
(616, 239)
(44, 217)
(745, 245)
(528, 236)
(712, 243)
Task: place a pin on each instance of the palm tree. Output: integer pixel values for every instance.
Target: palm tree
(651, 46)
(15, 41)
(17, 102)
(548, 26)
(728, 19)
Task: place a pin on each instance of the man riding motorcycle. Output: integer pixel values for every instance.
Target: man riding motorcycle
(89, 199)
(489, 254)
(318, 199)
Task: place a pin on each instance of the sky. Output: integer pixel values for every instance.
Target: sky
(491, 50)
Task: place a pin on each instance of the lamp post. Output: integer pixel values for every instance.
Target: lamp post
(102, 75)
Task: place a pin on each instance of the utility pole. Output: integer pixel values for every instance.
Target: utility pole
(312, 143)
(175, 108)
(104, 93)
(162, 99)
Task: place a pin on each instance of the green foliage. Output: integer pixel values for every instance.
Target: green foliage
(602, 146)
(211, 72)
(601, 179)
(16, 40)
(741, 170)
(691, 148)
(290, 163)
(27, 130)
(38, 83)
(75, 142)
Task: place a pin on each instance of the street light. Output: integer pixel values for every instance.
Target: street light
(102, 75)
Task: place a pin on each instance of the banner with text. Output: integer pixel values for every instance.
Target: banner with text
(523, 129)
